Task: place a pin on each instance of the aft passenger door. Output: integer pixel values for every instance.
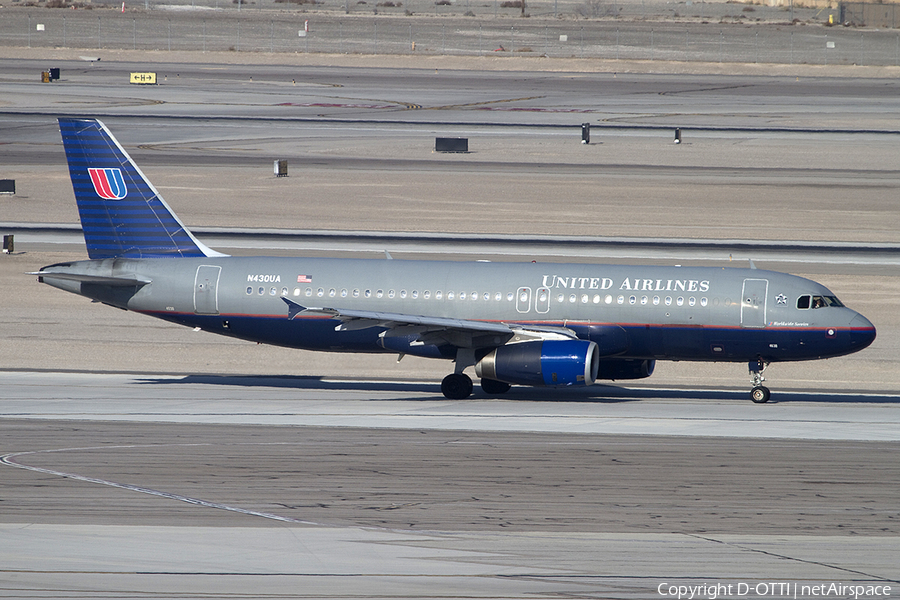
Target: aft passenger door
(753, 303)
(206, 292)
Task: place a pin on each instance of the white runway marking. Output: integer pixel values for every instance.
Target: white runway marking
(10, 460)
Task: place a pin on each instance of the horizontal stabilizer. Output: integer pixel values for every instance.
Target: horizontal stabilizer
(123, 281)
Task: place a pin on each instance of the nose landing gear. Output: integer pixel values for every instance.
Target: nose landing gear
(759, 393)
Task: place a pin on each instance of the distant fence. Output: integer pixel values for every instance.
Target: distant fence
(272, 31)
(869, 15)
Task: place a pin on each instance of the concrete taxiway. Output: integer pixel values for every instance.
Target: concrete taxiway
(335, 488)
(399, 404)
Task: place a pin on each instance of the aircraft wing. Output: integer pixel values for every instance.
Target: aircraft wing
(431, 330)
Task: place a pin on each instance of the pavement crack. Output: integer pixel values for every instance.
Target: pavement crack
(793, 558)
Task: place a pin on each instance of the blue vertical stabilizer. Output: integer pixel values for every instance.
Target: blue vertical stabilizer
(121, 212)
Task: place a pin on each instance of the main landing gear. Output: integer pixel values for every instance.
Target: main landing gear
(759, 393)
(458, 386)
(492, 387)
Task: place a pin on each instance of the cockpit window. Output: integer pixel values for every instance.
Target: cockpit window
(807, 301)
(832, 301)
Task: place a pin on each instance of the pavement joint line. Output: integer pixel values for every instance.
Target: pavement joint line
(480, 124)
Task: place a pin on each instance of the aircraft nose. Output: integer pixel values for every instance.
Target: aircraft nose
(862, 332)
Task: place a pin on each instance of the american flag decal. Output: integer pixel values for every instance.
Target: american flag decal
(304, 279)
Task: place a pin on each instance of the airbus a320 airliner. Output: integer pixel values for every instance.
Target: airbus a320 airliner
(516, 324)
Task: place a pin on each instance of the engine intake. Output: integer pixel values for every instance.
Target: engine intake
(542, 362)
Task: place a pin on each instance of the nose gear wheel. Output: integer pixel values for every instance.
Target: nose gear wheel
(759, 393)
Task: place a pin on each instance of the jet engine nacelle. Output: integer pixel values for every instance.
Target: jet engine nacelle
(542, 362)
(626, 369)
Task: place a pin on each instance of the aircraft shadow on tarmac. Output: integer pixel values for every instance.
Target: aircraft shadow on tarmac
(597, 393)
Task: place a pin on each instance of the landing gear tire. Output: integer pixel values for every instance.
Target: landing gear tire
(492, 387)
(760, 394)
(456, 386)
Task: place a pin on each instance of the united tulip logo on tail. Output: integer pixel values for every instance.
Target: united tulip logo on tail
(108, 183)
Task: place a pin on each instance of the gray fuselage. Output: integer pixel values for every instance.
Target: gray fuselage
(633, 312)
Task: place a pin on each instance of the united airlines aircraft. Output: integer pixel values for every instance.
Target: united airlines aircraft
(514, 324)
